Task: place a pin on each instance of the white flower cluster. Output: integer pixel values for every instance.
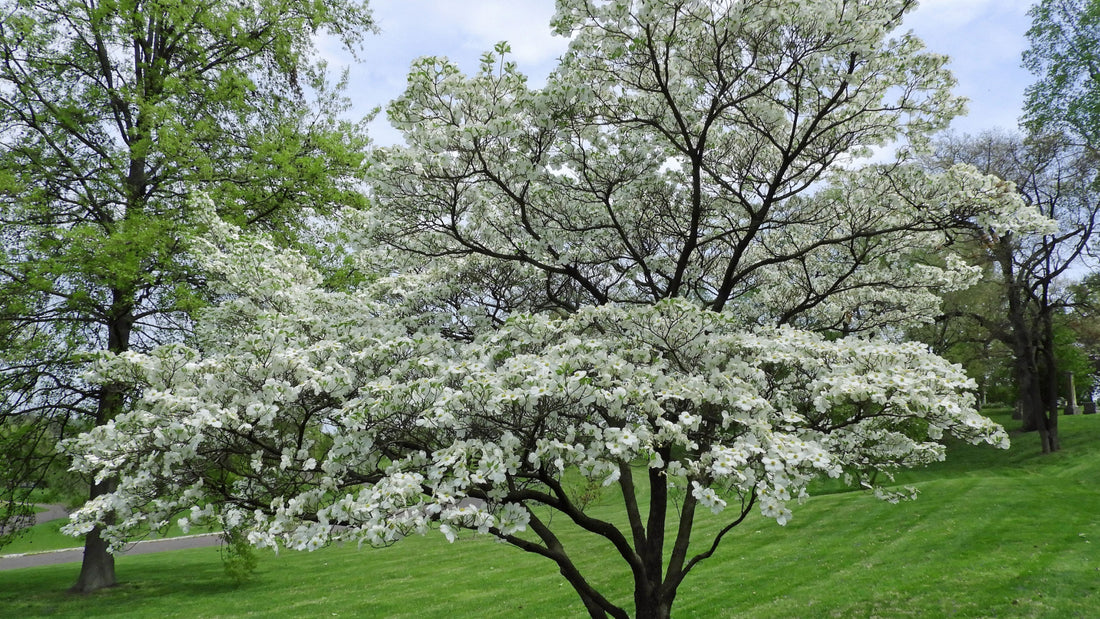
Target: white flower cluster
(325, 417)
(615, 183)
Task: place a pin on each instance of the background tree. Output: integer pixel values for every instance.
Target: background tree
(1065, 56)
(638, 278)
(1032, 270)
(1084, 323)
(962, 334)
(1065, 39)
(111, 113)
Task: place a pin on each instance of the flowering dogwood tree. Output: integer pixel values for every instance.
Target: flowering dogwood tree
(650, 282)
(304, 416)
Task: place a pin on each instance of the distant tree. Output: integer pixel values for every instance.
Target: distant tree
(650, 282)
(1072, 349)
(962, 334)
(1031, 270)
(1084, 322)
(111, 113)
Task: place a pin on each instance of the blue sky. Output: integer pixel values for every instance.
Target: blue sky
(984, 39)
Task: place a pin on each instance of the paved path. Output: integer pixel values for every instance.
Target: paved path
(75, 555)
(54, 511)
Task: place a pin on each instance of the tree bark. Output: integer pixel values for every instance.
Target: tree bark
(1029, 398)
(1048, 433)
(97, 570)
(657, 609)
(1035, 366)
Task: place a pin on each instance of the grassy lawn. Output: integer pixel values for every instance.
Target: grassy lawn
(41, 537)
(993, 534)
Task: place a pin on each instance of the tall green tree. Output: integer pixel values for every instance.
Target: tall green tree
(1084, 323)
(111, 113)
(962, 334)
(1065, 56)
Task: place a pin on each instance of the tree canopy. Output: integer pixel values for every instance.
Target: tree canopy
(1065, 56)
(1029, 270)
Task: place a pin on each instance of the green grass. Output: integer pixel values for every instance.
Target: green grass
(993, 534)
(41, 537)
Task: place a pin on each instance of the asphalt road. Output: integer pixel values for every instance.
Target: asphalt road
(74, 555)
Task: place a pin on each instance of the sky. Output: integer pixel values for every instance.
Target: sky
(983, 38)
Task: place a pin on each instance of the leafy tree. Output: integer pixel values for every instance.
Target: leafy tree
(111, 112)
(961, 335)
(1065, 55)
(1060, 180)
(1071, 349)
(303, 416)
(650, 282)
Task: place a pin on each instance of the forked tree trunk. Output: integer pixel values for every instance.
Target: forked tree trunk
(1039, 408)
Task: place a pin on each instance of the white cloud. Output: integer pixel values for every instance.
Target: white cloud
(984, 39)
(525, 25)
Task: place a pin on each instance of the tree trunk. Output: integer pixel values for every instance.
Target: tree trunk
(1048, 433)
(653, 608)
(651, 599)
(97, 570)
(98, 567)
(1029, 372)
(1030, 396)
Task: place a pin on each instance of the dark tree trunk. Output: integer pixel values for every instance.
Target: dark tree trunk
(1036, 373)
(1028, 379)
(97, 571)
(652, 598)
(98, 567)
(1032, 373)
(1048, 431)
(654, 608)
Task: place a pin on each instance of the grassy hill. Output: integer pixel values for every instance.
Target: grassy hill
(993, 534)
